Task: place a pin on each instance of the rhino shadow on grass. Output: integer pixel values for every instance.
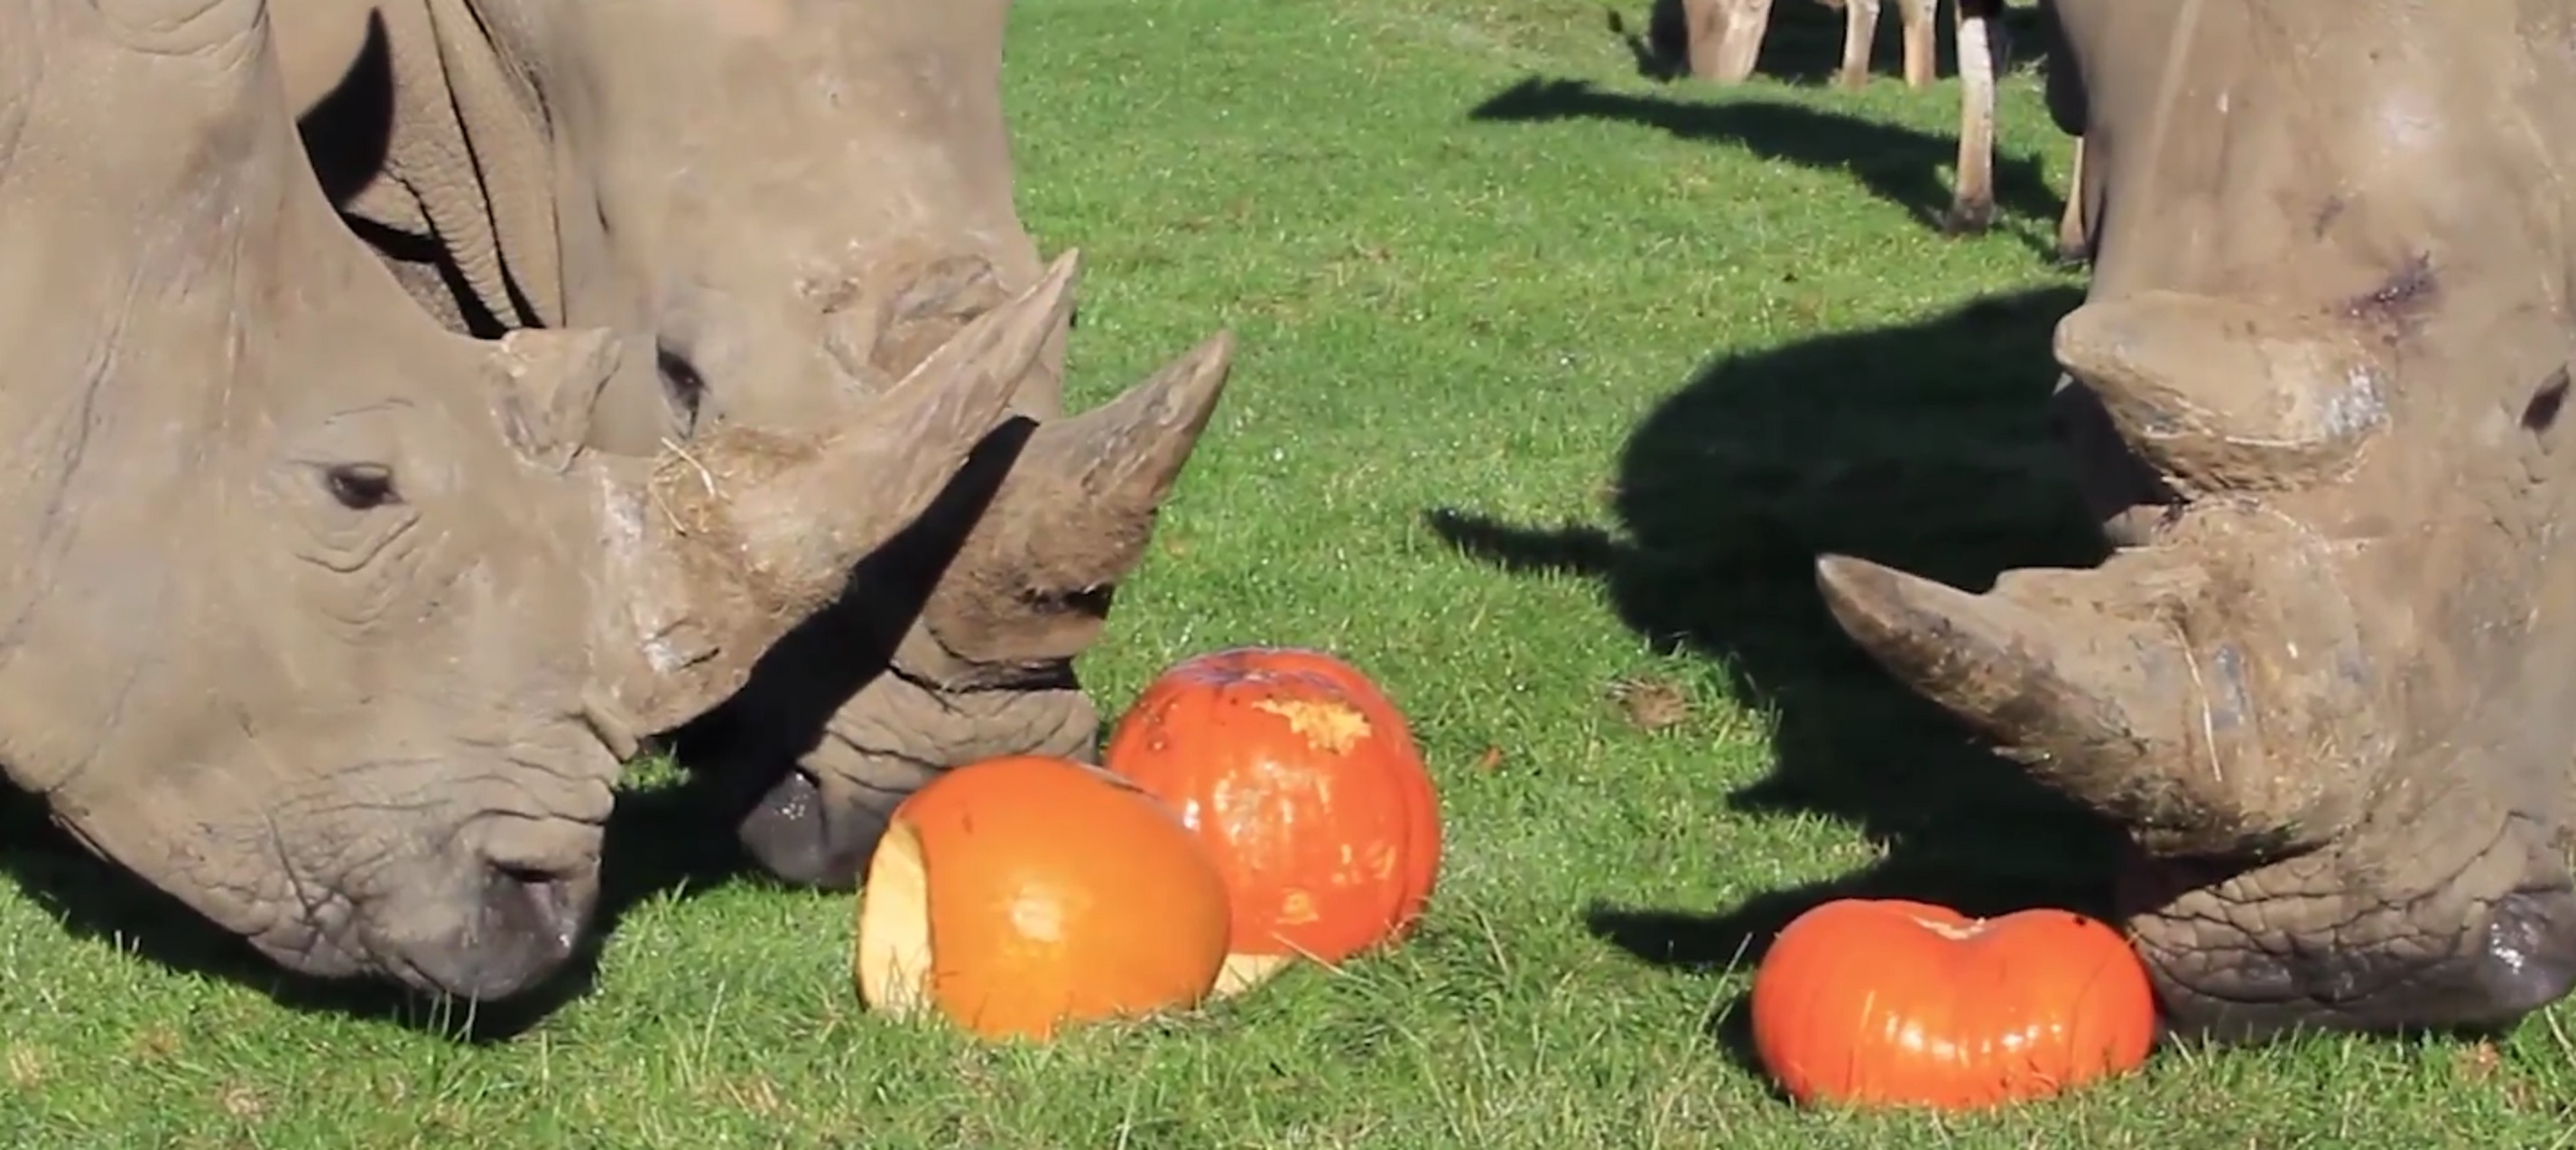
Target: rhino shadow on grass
(1924, 445)
(1898, 164)
(659, 842)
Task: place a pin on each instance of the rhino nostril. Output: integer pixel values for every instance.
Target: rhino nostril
(544, 908)
(525, 876)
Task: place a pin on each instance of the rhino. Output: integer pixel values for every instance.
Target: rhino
(792, 202)
(2327, 680)
(325, 619)
(1724, 37)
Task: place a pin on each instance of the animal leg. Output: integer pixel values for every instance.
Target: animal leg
(1860, 27)
(1972, 207)
(2072, 246)
(1921, 47)
(1725, 37)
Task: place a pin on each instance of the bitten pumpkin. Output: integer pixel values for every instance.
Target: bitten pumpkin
(1021, 893)
(1305, 783)
(1888, 1002)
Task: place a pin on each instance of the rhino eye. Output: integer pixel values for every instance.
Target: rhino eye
(681, 384)
(361, 486)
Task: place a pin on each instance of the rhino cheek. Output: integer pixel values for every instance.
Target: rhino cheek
(308, 931)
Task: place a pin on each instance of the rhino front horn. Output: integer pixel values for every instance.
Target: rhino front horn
(737, 538)
(1074, 516)
(2087, 680)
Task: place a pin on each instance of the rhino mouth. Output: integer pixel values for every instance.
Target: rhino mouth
(487, 903)
(2251, 951)
(524, 926)
(504, 920)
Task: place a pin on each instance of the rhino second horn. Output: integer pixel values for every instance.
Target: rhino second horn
(2121, 715)
(2220, 396)
(1075, 514)
(913, 301)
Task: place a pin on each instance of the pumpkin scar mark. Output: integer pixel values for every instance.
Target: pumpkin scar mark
(1955, 933)
(1298, 909)
(1326, 726)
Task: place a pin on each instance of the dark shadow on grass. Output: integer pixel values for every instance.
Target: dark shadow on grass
(1924, 446)
(667, 842)
(1899, 164)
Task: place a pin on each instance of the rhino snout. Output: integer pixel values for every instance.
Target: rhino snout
(515, 913)
(2528, 959)
(797, 835)
(2305, 944)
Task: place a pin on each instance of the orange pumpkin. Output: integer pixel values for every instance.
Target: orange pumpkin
(1895, 1003)
(1306, 785)
(1020, 893)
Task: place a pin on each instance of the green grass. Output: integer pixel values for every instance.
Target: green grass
(1532, 401)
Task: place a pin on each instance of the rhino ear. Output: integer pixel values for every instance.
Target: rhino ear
(550, 382)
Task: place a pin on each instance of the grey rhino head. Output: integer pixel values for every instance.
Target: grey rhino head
(2331, 692)
(323, 619)
(794, 202)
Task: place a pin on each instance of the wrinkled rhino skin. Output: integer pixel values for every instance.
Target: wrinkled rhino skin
(321, 617)
(2330, 688)
(792, 201)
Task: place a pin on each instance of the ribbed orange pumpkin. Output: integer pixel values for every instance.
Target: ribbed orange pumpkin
(1305, 783)
(1018, 894)
(1887, 1002)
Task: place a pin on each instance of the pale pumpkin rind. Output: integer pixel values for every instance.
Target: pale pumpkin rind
(891, 958)
(1021, 894)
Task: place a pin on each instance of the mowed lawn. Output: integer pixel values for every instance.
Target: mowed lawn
(1553, 381)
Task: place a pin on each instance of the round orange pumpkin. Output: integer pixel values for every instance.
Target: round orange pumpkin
(1020, 893)
(1306, 785)
(1889, 1002)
